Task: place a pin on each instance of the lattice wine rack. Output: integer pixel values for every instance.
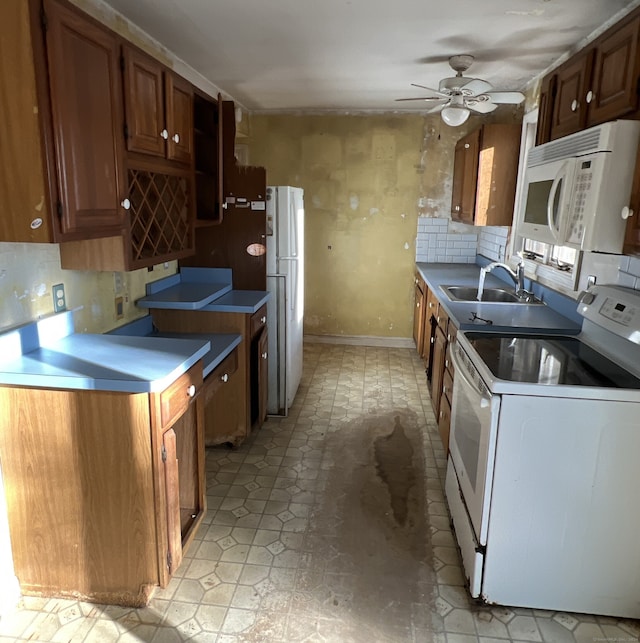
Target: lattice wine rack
(161, 226)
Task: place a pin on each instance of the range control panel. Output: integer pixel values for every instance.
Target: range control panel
(615, 308)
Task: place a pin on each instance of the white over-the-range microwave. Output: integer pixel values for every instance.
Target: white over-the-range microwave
(577, 188)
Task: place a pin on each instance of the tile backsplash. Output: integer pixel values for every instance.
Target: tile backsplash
(442, 241)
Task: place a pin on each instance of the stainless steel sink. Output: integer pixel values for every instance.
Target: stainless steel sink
(489, 295)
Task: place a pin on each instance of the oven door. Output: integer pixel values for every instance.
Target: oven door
(474, 428)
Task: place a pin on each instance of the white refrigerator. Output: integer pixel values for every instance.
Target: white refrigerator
(285, 282)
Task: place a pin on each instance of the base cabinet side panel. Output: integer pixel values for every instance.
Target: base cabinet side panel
(81, 516)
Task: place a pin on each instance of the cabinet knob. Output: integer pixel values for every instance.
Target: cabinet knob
(444, 389)
(466, 146)
(126, 204)
(446, 363)
(164, 134)
(626, 212)
(264, 355)
(457, 208)
(574, 105)
(225, 205)
(176, 138)
(263, 319)
(191, 391)
(417, 304)
(448, 337)
(225, 377)
(590, 96)
(440, 414)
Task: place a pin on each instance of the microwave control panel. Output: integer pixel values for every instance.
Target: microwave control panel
(576, 223)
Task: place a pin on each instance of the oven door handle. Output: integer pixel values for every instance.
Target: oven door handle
(461, 370)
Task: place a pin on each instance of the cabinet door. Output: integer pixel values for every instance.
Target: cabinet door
(179, 101)
(439, 349)
(430, 314)
(613, 91)
(570, 108)
(545, 108)
(458, 173)
(86, 106)
(466, 173)
(263, 376)
(444, 422)
(172, 490)
(418, 316)
(144, 103)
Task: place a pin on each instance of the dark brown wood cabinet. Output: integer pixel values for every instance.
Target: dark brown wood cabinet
(485, 174)
(596, 85)
(86, 116)
(419, 313)
(158, 108)
(243, 397)
(465, 175)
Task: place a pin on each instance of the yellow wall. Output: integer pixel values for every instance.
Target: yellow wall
(366, 179)
(28, 271)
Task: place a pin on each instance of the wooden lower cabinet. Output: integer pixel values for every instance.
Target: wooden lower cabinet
(437, 368)
(105, 490)
(225, 395)
(232, 414)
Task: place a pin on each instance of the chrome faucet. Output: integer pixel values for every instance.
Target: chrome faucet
(517, 275)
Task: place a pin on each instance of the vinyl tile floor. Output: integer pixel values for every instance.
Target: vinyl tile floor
(328, 525)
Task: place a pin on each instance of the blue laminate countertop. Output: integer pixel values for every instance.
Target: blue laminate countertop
(525, 317)
(48, 354)
(221, 344)
(207, 289)
(239, 301)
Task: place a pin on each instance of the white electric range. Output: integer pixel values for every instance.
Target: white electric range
(543, 477)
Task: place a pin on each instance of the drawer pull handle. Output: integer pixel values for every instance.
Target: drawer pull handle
(264, 355)
(263, 319)
(191, 391)
(225, 377)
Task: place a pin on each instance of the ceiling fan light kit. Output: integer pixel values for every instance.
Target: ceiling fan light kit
(458, 96)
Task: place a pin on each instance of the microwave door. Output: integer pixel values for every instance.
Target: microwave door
(559, 201)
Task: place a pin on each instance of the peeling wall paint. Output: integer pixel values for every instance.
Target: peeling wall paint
(28, 272)
(366, 178)
(361, 191)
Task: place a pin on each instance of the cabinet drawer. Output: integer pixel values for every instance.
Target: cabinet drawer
(258, 320)
(221, 374)
(176, 397)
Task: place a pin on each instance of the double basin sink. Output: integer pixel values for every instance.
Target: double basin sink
(489, 295)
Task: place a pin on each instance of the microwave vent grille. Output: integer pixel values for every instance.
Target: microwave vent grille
(578, 144)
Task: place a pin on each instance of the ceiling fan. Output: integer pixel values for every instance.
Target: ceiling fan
(457, 96)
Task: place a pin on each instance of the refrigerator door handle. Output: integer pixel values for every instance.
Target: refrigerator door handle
(293, 297)
(293, 227)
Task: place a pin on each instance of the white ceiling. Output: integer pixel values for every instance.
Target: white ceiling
(360, 55)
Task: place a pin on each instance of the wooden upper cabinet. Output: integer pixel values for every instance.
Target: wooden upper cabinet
(86, 110)
(484, 175)
(144, 103)
(545, 108)
(599, 84)
(613, 91)
(179, 119)
(159, 108)
(570, 106)
(465, 174)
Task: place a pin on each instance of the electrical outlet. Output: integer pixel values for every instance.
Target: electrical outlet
(59, 298)
(119, 307)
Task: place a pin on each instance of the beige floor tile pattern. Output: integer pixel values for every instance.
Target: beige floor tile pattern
(328, 525)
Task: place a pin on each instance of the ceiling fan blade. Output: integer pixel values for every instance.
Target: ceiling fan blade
(476, 86)
(428, 98)
(482, 107)
(507, 98)
(430, 89)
